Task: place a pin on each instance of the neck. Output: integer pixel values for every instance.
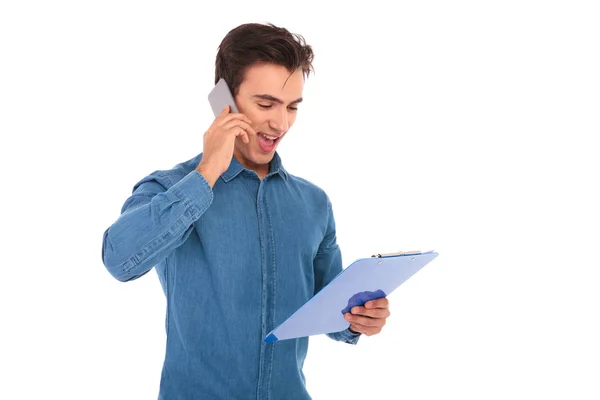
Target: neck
(261, 169)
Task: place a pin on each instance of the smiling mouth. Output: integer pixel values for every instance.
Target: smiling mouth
(267, 143)
(269, 137)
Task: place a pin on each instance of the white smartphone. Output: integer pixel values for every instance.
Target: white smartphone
(220, 96)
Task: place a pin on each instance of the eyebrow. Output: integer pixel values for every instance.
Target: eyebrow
(268, 97)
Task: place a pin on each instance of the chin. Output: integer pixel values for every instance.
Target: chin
(258, 154)
(264, 158)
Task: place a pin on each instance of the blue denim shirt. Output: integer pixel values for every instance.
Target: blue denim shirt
(234, 261)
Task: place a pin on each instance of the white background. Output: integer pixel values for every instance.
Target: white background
(469, 127)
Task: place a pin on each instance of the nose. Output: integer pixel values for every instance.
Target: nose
(280, 122)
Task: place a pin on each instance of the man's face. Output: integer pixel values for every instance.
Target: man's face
(269, 96)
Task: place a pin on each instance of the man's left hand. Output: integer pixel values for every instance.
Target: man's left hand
(370, 318)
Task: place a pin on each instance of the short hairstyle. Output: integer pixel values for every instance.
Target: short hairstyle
(254, 43)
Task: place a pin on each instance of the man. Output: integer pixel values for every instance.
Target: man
(238, 243)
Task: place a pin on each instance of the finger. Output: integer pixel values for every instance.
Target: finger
(372, 312)
(365, 321)
(244, 136)
(239, 131)
(357, 329)
(233, 116)
(225, 111)
(245, 126)
(378, 303)
(365, 330)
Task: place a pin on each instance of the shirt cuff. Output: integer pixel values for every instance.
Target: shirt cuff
(349, 336)
(194, 191)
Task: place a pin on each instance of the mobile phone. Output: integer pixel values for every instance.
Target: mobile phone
(220, 96)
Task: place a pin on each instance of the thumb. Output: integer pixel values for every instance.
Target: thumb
(225, 110)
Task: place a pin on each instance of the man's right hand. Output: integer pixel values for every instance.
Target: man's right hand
(219, 143)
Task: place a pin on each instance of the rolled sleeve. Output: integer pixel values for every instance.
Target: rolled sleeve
(345, 336)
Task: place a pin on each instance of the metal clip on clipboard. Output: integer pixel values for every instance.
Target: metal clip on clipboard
(401, 253)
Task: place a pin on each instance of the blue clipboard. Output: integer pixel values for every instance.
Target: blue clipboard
(363, 280)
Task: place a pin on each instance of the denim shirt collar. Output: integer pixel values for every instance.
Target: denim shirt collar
(275, 167)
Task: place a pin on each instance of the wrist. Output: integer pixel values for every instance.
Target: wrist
(208, 173)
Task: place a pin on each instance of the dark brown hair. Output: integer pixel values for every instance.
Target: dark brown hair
(253, 43)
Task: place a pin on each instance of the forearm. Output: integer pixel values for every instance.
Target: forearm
(152, 225)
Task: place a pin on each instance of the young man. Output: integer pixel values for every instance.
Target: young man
(238, 243)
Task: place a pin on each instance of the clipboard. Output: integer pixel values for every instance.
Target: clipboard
(363, 280)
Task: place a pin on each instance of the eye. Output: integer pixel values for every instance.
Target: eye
(265, 106)
(293, 108)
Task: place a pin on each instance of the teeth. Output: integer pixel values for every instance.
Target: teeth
(269, 137)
